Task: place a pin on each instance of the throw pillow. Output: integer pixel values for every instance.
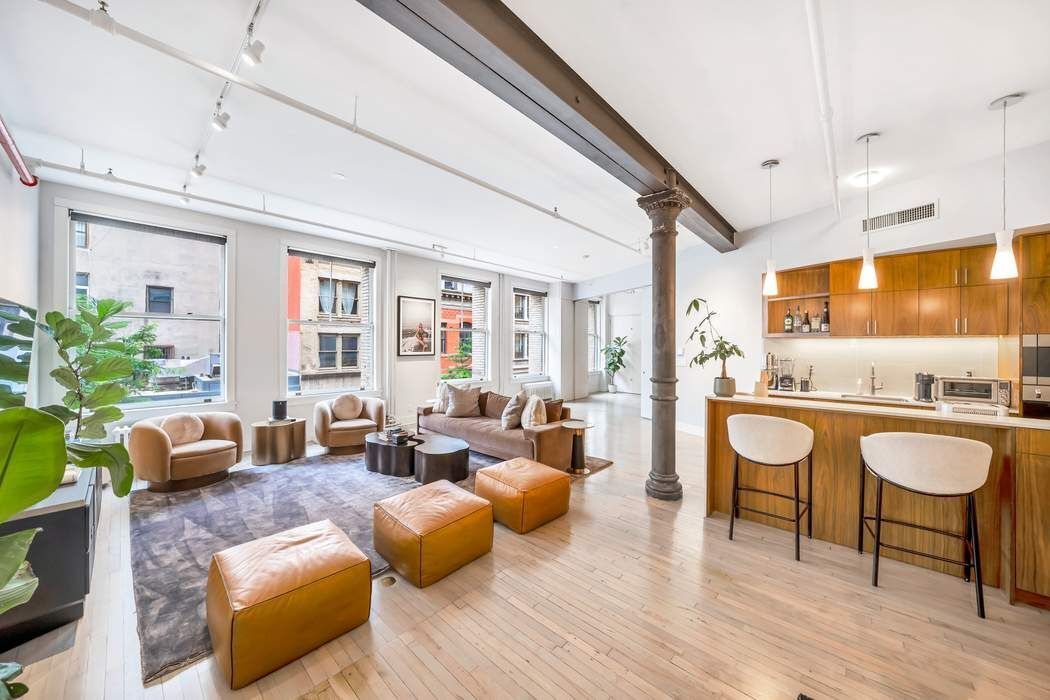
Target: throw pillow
(463, 403)
(535, 413)
(495, 404)
(553, 407)
(183, 428)
(511, 417)
(347, 407)
(442, 398)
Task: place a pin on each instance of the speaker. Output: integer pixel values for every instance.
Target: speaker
(280, 410)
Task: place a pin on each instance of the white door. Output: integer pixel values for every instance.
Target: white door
(629, 379)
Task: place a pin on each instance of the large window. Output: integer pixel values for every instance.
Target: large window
(529, 357)
(179, 349)
(594, 338)
(464, 329)
(330, 327)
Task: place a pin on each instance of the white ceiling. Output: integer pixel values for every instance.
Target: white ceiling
(716, 87)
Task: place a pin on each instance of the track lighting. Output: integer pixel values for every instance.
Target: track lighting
(220, 121)
(184, 198)
(101, 18)
(198, 166)
(252, 53)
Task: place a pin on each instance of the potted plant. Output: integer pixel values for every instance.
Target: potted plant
(713, 346)
(614, 353)
(36, 444)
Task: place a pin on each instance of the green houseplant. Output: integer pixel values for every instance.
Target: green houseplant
(37, 444)
(713, 346)
(614, 353)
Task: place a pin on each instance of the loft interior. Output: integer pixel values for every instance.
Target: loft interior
(425, 348)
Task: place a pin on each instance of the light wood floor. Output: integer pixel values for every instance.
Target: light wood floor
(623, 597)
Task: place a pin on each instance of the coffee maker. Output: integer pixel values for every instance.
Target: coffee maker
(924, 387)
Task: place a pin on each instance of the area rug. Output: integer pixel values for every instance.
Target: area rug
(173, 536)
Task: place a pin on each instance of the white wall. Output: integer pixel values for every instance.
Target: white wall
(256, 297)
(19, 237)
(623, 317)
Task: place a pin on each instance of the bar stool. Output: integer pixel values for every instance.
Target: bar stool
(930, 465)
(772, 442)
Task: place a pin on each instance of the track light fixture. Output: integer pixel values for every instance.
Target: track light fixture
(220, 120)
(253, 50)
(184, 198)
(198, 166)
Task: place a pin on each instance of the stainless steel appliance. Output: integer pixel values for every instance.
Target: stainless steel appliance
(1035, 375)
(786, 374)
(974, 390)
(924, 386)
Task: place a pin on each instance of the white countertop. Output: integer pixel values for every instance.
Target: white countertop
(839, 396)
(903, 411)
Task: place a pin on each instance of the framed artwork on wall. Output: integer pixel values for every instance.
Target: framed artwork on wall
(415, 326)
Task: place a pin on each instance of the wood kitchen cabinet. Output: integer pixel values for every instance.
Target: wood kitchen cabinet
(894, 313)
(938, 269)
(897, 272)
(843, 276)
(939, 311)
(850, 314)
(1035, 311)
(1035, 255)
(984, 309)
(975, 266)
(1032, 512)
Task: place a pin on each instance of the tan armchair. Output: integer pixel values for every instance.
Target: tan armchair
(340, 424)
(184, 450)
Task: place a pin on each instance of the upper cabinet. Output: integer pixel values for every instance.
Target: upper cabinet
(897, 273)
(843, 276)
(939, 269)
(1035, 255)
(975, 266)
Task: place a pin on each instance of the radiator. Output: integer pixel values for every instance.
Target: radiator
(545, 390)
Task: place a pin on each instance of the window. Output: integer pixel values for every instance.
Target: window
(521, 307)
(464, 329)
(80, 234)
(594, 338)
(330, 331)
(182, 349)
(81, 288)
(530, 334)
(159, 299)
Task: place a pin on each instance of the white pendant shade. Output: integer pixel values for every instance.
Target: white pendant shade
(769, 286)
(868, 278)
(1004, 265)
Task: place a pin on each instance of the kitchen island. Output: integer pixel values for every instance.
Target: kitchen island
(1013, 507)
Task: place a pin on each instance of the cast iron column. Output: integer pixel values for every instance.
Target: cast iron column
(663, 209)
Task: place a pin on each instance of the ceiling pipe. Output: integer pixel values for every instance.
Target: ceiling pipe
(820, 73)
(183, 195)
(11, 148)
(114, 27)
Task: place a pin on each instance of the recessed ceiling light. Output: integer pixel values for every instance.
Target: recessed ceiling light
(338, 176)
(860, 179)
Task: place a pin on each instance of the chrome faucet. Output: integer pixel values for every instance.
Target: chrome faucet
(872, 386)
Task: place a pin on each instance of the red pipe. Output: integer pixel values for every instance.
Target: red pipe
(8, 142)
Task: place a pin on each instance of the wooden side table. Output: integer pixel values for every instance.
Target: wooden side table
(579, 459)
(278, 442)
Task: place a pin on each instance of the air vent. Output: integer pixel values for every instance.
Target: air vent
(923, 212)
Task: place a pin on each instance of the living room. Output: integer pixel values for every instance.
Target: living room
(420, 348)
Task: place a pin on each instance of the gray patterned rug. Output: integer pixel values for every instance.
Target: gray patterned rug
(173, 536)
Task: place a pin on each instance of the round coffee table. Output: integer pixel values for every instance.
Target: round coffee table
(442, 457)
(390, 458)
(579, 459)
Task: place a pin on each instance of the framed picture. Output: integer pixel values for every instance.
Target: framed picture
(415, 326)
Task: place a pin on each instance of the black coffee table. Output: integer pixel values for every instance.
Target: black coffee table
(389, 458)
(441, 457)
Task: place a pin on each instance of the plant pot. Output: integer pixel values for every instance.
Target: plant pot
(612, 388)
(725, 386)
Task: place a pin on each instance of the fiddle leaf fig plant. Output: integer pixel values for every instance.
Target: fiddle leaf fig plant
(713, 345)
(614, 353)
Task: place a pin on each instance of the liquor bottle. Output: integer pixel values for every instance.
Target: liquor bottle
(806, 322)
(798, 318)
(789, 321)
(825, 320)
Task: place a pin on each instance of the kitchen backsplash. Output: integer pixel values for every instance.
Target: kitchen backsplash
(839, 362)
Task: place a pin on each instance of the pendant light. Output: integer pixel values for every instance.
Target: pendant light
(1004, 265)
(868, 278)
(769, 286)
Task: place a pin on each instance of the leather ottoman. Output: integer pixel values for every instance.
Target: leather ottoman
(524, 493)
(273, 600)
(429, 532)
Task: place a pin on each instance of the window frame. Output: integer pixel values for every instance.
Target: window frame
(171, 300)
(524, 357)
(598, 367)
(76, 234)
(77, 286)
(515, 317)
(447, 282)
(520, 325)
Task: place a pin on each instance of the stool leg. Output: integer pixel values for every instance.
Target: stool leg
(860, 511)
(797, 517)
(732, 507)
(878, 532)
(975, 539)
(967, 546)
(809, 497)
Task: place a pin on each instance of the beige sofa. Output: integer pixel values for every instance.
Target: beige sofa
(550, 444)
(340, 424)
(184, 450)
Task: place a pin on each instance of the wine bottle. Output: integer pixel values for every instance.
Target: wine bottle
(798, 318)
(806, 327)
(789, 321)
(825, 320)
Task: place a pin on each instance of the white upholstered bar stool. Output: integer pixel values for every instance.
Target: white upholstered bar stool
(931, 465)
(772, 442)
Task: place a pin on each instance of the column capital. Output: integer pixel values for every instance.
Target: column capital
(673, 198)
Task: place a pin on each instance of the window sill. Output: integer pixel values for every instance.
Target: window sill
(306, 399)
(530, 378)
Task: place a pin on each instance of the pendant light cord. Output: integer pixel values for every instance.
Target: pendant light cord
(1004, 165)
(770, 169)
(867, 188)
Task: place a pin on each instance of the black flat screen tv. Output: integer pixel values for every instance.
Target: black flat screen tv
(17, 331)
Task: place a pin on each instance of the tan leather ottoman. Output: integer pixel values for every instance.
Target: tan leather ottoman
(524, 493)
(272, 600)
(429, 532)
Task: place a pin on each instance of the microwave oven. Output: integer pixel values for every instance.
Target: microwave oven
(974, 390)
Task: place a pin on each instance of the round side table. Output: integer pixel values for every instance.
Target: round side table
(278, 442)
(442, 457)
(390, 458)
(579, 459)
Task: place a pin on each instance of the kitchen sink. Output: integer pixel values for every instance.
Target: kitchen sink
(869, 397)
